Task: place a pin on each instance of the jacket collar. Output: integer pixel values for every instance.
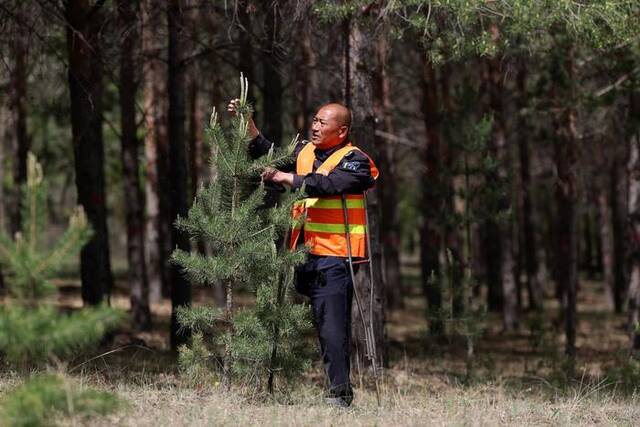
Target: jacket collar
(324, 154)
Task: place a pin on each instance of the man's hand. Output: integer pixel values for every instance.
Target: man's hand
(274, 175)
(232, 107)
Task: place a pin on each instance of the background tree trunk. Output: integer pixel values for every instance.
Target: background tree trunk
(306, 82)
(454, 240)
(633, 219)
(245, 53)
(196, 122)
(180, 287)
(130, 145)
(566, 192)
(5, 137)
(359, 93)
(604, 227)
(619, 209)
(271, 79)
(492, 255)
(20, 51)
(500, 151)
(529, 225)
(431, 203)
(85, 88)
(390, 237)
(155, 146)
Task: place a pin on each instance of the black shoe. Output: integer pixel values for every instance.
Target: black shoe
(338, 402)
(339, 396)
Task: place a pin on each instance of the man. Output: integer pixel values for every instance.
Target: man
(333, 172)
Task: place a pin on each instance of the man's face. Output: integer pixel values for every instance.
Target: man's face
(327, 130)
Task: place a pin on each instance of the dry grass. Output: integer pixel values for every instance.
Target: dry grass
(429, 401)
(514, 381)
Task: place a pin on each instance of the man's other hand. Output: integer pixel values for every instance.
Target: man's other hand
(232, 107)
(274, 175)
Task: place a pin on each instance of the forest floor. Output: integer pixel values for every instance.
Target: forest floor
(518, 377)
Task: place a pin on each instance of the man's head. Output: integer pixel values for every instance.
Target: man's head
(330, 126)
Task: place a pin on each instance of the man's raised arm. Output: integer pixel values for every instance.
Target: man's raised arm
(259, 145)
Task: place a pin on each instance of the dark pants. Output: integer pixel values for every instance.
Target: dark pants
(326, 280)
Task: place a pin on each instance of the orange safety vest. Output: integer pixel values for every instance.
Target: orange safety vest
(324, 228)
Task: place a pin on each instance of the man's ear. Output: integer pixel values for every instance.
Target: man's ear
(344, 130)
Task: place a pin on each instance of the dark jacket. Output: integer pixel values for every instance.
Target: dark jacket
(351, 176)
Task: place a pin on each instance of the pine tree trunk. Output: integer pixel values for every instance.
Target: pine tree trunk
(22, 142)
(604, 217)
(492, 230)
(5, 135)
(85, 88)
(492, 255)
(598, 268)
(500, 151)
(432, 203)
(589, 248)
(633, 220)
(196, 145)
(306, 82)
(226, 368)
(619, 208)
(134, 199)
(196, 123)
(245, 53)
(529, 226)
(566, 192)
(388, 186)
(454, 241)
(359, 93)
(155, 144)
(180, 288)
(271, 79)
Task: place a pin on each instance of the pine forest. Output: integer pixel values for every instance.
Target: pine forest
(176, 251)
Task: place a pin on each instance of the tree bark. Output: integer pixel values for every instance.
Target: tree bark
(619, 209)
(566, 191)
(155, 147)
(20, 46)
(499, 150)
(388, 187)
(84, 21)
(454, 241)
(307, 83)
(130, 145)
(529, 226)
(492, 254)
(271, 79)
(196, 145)
(196, 152)
(587, 252)
(5, 135)
(493, 231)
(359, 92)
(432, 200)
(633, 220)
(180, 288)
(245, 53)
(606, 239)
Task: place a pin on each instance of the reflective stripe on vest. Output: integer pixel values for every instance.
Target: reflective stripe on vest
(323, 217)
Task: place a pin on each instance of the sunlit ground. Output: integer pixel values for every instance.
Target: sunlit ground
(518, 377)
